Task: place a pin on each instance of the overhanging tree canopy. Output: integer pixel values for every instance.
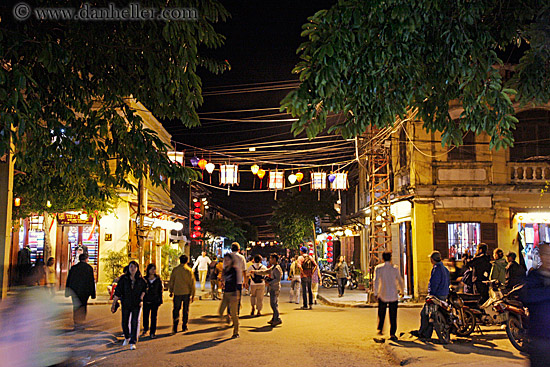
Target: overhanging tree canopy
(374, 60)
(65, 92)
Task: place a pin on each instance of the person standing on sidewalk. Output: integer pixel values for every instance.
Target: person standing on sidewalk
(342, 275)
(388, 284)
(307, 266)
(295, 283)
(257, 286)
(202, 263)
(498, 271)
(275, 274)
(315, 281)
(152, 299)
(182, 288)
(440, 280)
(80, 286)
(536, 296)
(230, 293)
(51, 279)
(130, 290)
(213, 276)
(239, 262)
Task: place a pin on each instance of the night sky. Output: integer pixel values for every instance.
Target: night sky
(262, 38)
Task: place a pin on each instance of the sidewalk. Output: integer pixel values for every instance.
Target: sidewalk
(352, 298)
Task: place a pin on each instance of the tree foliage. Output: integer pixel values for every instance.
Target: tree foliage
(231, 229)
(374, 60)
(294, 216)
(68, 92)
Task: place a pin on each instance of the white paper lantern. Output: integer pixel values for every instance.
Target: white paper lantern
(340, 182)
(318, 180)
(276, 180)
(229, 174)
(176, 157)
(210, 167)
(292, 178)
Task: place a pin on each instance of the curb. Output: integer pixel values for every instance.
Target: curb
(326, 301)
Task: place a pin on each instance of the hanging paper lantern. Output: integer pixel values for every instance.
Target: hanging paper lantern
(202, 163)
(318, 180)
(197, 228)
(229, 174)
(196, 222)
(276, 180)
(329, 238)
(197, 204)
(331, 177)
(197, 210)
(261, 173)
(194, 161)
(197, 216)
(299, 177)
(340, 181)
(176, 157)
(329, 259)
(292, 178)
(210, 167)
(255, 168)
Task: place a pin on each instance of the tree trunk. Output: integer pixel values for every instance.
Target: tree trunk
(47, 243)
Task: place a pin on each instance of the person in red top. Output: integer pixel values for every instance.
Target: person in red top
(307, 266)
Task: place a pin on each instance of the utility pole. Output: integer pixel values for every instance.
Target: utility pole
(6, 201)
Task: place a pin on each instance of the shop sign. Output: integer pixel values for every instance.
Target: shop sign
(108, 237)
(67, 219)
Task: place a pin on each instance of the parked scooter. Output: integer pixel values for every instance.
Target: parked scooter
(450, 316)
(328, 279)
(353, 280)
(486, 314)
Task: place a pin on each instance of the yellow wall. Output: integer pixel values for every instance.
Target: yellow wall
(422, 245)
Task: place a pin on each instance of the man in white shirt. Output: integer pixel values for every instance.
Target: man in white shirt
(202, 263)
(388, 284)
(257, 286)
(239, 262)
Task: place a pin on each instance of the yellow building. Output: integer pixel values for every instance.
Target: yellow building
(451, 200)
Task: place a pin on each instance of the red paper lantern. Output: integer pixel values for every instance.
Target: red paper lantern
(329, 249)
(197, 204)
(197, 216)
(329, 238)
(329, 259)
(197, 210)
(329, 243)
(197, 228)
(196, 222)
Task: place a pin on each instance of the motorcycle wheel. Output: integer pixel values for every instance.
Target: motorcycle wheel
(468, 324)
(352, 284)
(327, 283)
(442, 328)
(516, 332)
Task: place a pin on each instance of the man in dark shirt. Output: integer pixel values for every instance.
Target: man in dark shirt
(438, 286)
(481, 265)
(515, 273)
(80, 286)
(536, 296)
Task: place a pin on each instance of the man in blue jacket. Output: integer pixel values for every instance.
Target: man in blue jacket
(536, 296)
(440, 280)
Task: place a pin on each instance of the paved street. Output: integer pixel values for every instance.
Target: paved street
(325, 336)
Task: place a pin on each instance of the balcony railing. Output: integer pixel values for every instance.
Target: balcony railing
(530, 172)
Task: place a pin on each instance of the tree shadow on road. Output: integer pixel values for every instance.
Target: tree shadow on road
(200, 346)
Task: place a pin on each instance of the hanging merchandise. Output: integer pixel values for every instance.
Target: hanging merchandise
(299, 178)
(292, 178)
(229, 174)
(261, 174)
(340, 181)
(202, 164)
(276, 180)
(194, 161)
(318, 180)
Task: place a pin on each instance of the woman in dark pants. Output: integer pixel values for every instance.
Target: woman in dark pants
(342, 274)
(130, 290)
(152, 299)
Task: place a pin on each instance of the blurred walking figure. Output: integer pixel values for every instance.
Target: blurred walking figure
(274, 276)
(342, 274)
(202, 263)
(257, 286)
(130, 290)
(51, 279)
(152, 299)
(80, 286)
(213, 276)
(230, 298)
(295, 283)
(182, 287)
(315, 281)
(388, 284)
(307, 266)
(239, 262)
(536, 296)
(498, 271)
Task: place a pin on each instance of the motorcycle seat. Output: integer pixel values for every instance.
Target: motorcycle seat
(468, 297)
(514, 302)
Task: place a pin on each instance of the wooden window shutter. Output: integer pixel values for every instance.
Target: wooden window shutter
(441, 240)
(489, 236)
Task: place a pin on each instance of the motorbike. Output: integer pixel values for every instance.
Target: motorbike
(450, 316)
(353, 280)
(328, 279)
(486, 314)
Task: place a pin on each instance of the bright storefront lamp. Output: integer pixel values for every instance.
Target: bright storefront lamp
(540, 217)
